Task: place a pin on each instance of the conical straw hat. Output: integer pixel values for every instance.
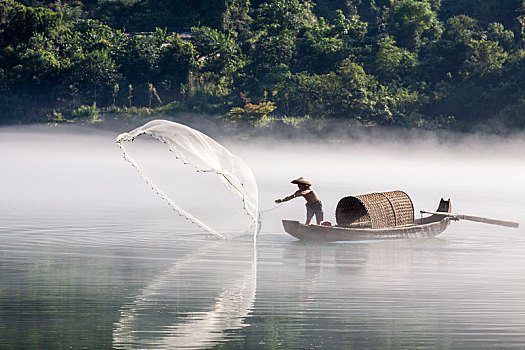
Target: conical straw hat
(302, 180)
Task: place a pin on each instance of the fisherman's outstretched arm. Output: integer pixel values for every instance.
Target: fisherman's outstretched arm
(285, 199)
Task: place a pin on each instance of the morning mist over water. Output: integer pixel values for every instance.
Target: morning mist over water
(90, 252)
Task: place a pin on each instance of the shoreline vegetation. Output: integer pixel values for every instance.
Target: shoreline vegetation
(255, 67)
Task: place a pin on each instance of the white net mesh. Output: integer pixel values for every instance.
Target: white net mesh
(201, 152)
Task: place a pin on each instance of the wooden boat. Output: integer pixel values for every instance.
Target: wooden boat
(383, 215)
(377, 216)
(421, 228)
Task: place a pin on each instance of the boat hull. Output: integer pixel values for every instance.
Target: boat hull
(422, 228)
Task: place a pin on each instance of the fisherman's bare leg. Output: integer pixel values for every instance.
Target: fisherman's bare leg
(319, 214)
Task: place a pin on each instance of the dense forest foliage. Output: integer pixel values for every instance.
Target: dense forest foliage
(455, 64)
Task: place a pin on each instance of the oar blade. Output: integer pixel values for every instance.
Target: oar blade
(489, 221)
(513, 224)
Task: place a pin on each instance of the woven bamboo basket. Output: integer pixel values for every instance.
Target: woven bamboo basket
(375, 210)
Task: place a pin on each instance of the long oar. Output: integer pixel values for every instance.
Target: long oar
(475, 218)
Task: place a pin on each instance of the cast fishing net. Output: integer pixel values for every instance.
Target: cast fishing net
(200, 152)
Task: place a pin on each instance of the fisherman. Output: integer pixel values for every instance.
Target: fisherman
(313, 203)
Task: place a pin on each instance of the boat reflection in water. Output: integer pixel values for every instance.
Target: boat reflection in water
(392, 257)
(193, 304)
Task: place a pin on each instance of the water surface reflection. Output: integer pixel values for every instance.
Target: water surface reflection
(194, 303)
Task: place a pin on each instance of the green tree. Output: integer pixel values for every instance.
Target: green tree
(217, 50)
(138, 56)
(252, 113)
(236, 19)
(413, 23)
(130, 95)
(486, 57)
(322, 47)
(39, 63)
(304, 94)
(116, 89)
(356, 94)
(496, 32)
(444, 59)
(347, 93)
(19, 23)
(506, 12)
(89, 69)
(176, 62)
(393, 63)
(275, 16)
(270, 63)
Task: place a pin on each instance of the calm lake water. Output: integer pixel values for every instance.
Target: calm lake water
(91, 258)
